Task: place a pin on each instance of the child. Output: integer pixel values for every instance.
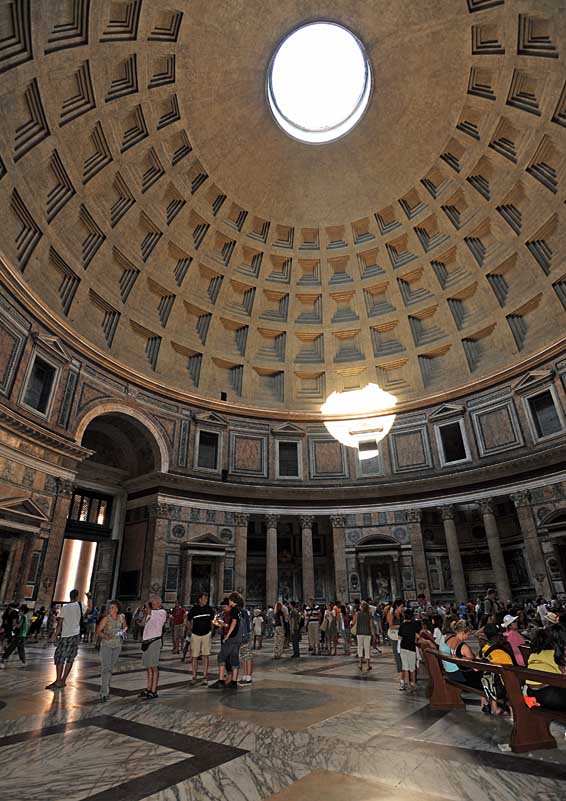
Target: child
(408, 631)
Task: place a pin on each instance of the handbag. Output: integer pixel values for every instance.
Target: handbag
(393, 634)
(146, 643)
(354, 629)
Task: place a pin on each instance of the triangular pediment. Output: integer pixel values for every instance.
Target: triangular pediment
(533, 379)
(54, 345)
(447, 410)
(23, 507)
(288, 430)
(211, 418)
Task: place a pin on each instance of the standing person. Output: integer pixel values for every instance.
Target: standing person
(246, 654)
(394, 620)
(408, 632)
(362, 627)
(269, 622)
(344, 629)
(258, 629)
(332, 628)
(514, 637)
(139, 616)
(229, 656)
(36, 624)
(91, 624)
(128, 617)
(110, 631)
(312, 619)
(279, 627)
(295, 626)
(152, 642)
(542, 610)
(19, 636)
(68, 635)
(9, 618)
(200, 619)
(490, 607)
(178, 617)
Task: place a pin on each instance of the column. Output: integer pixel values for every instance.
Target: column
(363, 576)
(308, 558)
(537, 564)
(339, 549)
(398, 577)
(454, 556)
(414, 517)
(495, 550)
(220, 574)
(8, 572)
(156, 543)
(241, 572)
(271, 572)
(187, 577)
(59, 513)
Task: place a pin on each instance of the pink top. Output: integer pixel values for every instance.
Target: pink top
(515, 640)
(154, 624)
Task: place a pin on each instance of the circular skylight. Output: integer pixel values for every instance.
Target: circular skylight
(319, 82)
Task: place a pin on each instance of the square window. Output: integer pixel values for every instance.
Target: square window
(39, 385)
(452, 442)
(544, 414)
(289, 460)
(208, 450)
(171, 573)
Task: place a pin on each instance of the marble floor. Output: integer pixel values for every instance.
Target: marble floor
(306, 730)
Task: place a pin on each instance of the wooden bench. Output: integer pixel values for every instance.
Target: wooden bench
(531, 725)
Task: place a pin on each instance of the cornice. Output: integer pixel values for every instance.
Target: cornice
(35, 433)
(15, 283)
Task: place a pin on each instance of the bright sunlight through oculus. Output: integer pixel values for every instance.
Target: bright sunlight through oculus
(319, 82)
(365, 432)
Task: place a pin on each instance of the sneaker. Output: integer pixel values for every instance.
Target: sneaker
(401, 685)
(151, 695)
(204, 682)
(217, 685)
(194, 682)
(243, 682)
(232, 685)
(103, 698)
(144, 693)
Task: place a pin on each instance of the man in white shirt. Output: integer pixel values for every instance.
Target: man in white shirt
(68, 635)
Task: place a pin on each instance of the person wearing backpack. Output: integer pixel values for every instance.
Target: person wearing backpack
(246, 655)
(229, 656)
(18, 641)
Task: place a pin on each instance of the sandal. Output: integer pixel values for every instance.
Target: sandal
(144, 694)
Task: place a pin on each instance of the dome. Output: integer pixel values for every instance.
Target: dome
(166, 225)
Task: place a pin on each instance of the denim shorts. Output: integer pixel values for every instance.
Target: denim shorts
(229, 653)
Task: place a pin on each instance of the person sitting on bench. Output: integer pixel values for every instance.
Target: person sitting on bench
(455, 644)
(496, 650)
(548, 653)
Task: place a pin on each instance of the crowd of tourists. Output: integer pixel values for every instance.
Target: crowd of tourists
(497, 631)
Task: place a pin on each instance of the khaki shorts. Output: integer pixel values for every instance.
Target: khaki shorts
(200, 645)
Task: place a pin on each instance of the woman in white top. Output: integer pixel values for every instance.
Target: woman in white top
(154, 621)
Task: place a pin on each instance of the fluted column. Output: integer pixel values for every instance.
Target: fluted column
(537, 564)
(308, 558)
(414, 517)
(271, 572)
(50, 567)
(495, 550)
(186, 577)
(454, 556)
(339, 549)
(241, 573)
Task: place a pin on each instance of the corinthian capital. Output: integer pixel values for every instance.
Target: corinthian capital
(522, 498)
(486, 506)
(306, 521)
(272, 520)
(242, 518)
(447, 512)
(337, 521)
(414, 515)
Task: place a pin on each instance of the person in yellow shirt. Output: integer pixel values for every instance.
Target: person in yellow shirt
(548, 654)
(496, 650)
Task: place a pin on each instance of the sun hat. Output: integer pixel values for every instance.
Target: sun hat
(552, 617)
(508, 619)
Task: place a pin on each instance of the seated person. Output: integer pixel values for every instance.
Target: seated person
(514, 637)
(548, 654)
(455, 644)
(495, 649)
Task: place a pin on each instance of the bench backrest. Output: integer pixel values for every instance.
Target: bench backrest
(522, 673)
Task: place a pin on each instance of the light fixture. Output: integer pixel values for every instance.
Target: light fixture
(319, 82)
(368, 429)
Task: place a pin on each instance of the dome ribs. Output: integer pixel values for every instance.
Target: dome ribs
(35, 129)
(70, 32)
(16, 43)
(122, 25)
(83, 100)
